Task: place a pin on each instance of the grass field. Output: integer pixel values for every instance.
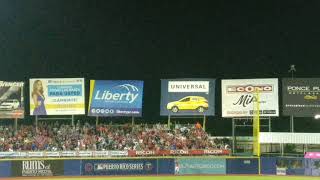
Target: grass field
(182, 178)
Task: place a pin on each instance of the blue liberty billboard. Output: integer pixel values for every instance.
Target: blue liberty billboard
(115, 98)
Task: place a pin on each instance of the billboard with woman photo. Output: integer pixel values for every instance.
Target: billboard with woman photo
(62, 96)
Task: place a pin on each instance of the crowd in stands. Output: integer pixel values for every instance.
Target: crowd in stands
(62, 137)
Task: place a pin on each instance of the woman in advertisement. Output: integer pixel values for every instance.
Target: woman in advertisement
(38, 98)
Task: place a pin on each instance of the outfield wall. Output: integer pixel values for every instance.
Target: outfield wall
(158, 166)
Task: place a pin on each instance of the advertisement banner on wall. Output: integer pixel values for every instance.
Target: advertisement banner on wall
(301, 97)
(115, 98)
(38, 168)
(61, 96)
(200, 166)
(181, 97)
(238, 97)
(113, 167)
(11, 100)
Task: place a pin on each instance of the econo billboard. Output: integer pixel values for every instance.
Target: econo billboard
(115, 98)
(181, 97)
(238, 96)
(301, 96)
(60, 96)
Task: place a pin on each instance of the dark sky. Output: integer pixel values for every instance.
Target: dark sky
(150, 40)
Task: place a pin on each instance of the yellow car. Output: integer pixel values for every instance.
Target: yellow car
(310, 97)
(189, 103)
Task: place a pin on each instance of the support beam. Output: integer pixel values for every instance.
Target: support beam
(72, 121)
(204, 123)
(97, 120)
(291, 124)
(36, 122)
(16, 125)
(233, 136)
(270, 124)
(132, 121)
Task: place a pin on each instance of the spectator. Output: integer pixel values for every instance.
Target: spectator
(60, 137)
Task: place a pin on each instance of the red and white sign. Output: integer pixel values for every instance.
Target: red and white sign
(179, 152)
(239, 95)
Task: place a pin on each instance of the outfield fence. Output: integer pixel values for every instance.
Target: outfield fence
(158, 166)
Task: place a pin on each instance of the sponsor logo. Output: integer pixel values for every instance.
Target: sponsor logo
(188, 86)
(281, 171)
(88, 167)
(10, 84)
(250, 89)
(202, 166)
(148, 166)
(216, 151)
(118, 166)
(246, 162)
(145, 153)
(36, 168)
(179, 152)
(125, 93)
(303, 90)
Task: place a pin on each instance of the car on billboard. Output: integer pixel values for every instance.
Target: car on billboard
(197, 103)
(310, 97)
(10, 104)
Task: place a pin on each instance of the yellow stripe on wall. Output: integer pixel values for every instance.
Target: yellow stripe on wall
(92, 84)
(61, 106)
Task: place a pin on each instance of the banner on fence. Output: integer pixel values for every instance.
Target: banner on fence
(62, 96)
(38, 168)
(11, 100)
(133, 153)
(200, 166)
(312, 155)
(242, 166)
(238, 97)
(114, 167)
(181, 97)
(115, 98)
(64, 154)
(301, 96)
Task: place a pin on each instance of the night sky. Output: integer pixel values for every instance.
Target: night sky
(151, 40)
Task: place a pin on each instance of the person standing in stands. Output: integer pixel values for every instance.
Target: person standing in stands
(38, 98)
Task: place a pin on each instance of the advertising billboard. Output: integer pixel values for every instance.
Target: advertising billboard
(181, 97)
(200, 166)
(238, 97)
(11, 100)
(61, 96)
(301, 97)
(114, 167)
(115, 98)
(37, 168)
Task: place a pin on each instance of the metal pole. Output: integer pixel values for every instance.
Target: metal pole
(132, 121)
(72, 120)
(97, 120)
(233, 136)
(36, 122)
(269, 124)
(292, 70)
(204, 123)
(169, 121)
(16, 125)
(292, 124)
